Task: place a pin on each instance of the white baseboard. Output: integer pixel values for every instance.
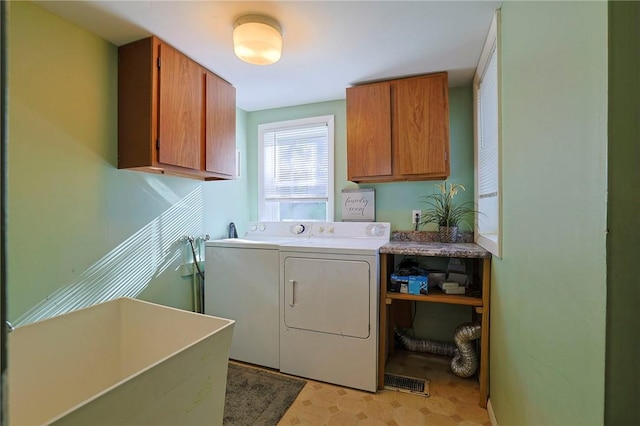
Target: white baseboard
(492, 415)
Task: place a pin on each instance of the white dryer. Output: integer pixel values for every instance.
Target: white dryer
(329, 304)
(242, 279)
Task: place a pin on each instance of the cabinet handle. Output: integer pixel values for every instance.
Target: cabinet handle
(291, 296)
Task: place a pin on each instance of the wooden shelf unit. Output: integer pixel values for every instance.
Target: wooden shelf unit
(479, 304)
(453, 299)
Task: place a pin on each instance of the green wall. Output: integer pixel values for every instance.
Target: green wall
(394, 201)
(72, 214)
(549, 288)
(622, 390)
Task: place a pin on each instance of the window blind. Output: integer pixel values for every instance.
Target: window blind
(488, 128)
(487, 143)
(296, 164)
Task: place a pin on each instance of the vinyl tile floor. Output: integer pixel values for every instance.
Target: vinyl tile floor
(452, 400)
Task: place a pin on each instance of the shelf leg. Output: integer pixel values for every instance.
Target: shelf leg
(484, 343)
(384, 317)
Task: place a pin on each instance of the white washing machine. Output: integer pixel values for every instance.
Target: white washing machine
(242, 279)
(329, 292)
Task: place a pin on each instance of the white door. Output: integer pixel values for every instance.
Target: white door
(327, 295)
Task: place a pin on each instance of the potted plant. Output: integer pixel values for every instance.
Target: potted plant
(445, 212)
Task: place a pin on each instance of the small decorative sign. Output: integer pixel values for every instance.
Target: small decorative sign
(358, 205)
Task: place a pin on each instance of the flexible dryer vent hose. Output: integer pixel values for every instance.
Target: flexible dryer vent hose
(465, 359)
(427, 345)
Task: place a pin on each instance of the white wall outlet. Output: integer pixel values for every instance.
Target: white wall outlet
(416, 215)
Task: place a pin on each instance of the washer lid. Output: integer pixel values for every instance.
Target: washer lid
(334, 246)
(272, 244)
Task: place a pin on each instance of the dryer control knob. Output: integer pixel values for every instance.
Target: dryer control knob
(254, 227)
(376, 230)
(297, 229)
(262, 227)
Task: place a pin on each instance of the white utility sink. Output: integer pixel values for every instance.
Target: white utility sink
(123, 362)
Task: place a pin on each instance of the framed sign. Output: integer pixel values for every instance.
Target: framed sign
(358, 205)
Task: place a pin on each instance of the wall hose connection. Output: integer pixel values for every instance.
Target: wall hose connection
(464, 361)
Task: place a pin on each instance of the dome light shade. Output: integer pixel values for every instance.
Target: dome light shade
(257, 39)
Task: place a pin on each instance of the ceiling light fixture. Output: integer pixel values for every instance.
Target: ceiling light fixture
(257, 39)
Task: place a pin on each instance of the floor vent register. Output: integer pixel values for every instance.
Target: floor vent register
(406, 384)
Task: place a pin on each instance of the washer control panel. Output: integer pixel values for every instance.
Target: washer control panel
(377, 230)
(278, 229)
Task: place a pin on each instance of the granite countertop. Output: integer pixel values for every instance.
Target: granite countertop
(418, 248)
(419, 243)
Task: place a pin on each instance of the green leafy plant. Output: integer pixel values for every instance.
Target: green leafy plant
(443, 210)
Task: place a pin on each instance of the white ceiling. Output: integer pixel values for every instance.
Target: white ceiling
(328, 45)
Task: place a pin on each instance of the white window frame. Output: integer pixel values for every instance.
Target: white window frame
(327, 120)
(490, 241)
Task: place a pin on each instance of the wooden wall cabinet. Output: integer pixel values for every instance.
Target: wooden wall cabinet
(174, 116)
(398, 130)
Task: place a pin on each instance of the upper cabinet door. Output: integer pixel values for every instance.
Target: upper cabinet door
(220, 134)
(422, 126)
(169, 119)
(398, 130)
(180, 109)
(369, 131)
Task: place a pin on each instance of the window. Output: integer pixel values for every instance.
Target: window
(296, 170)
(487, 142)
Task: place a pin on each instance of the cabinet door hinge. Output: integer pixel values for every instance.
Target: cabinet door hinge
(158, 62)
(157, 144)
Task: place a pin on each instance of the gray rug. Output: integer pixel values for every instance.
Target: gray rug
(258, 397)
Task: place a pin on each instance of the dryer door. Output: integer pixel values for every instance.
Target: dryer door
(327, 295)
